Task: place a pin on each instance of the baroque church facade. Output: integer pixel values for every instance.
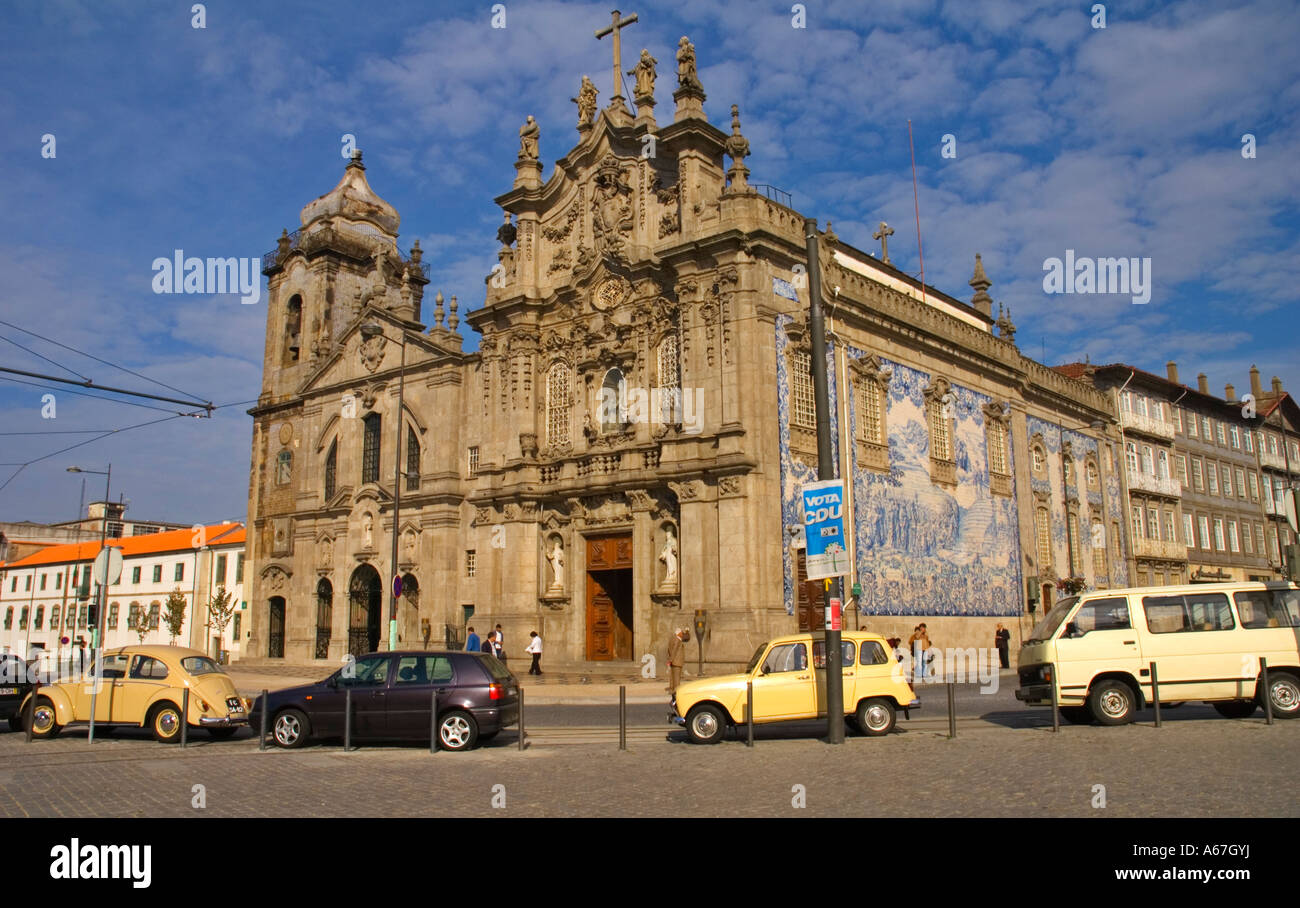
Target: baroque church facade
(625, 448)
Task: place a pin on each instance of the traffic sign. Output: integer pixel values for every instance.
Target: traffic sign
(108, 565)
(397, 585)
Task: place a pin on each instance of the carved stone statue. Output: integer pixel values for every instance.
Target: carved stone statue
(528, 136)
(507, 232)
(409, 547)
(645, 74)
(669, 557)
(686, 77)
(586, 102)
(367, 532)
(324, 553)
(556, 560)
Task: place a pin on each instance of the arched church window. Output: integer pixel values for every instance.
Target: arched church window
(613, 401)
(283, 468)
(670, 379)
(412, 460)
(331, 470)
(370, 449)
(558, 405)
(292, 329)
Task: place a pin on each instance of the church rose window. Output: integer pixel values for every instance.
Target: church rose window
(370, 449)
(557, 405)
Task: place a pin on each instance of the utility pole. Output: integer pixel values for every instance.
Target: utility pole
(825, 470)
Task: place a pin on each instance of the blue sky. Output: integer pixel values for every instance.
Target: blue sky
(1123, 141)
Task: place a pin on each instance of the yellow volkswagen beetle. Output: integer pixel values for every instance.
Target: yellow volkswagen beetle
(789, 677)
(143, 686)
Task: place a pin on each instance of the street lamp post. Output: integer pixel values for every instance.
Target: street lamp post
(96, 650)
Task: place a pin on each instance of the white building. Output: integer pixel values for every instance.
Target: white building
(42, 606)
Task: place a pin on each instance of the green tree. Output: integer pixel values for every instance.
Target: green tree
(174, 613)
(221, 608)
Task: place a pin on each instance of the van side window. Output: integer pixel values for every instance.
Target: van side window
(1194, 612)
(1286, 608)
(1254, 607)
(1101, 615)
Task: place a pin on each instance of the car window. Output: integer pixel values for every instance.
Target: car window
(788, 657)
(201, 665)
(1286, 608)
(872, 653)
(147, 667)
(819, 653)
(424, 670)
(369, 672)
(495, 669)
(1101, 615)
(1193, 612)
(114, 666)
(12, 671)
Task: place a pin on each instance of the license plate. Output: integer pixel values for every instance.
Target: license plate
(234, 705)
(8, 691)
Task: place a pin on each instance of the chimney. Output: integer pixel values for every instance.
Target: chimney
(1277, 385)
(1203, 383)
(1255, 387)
(1171, 369)
(1229, 393)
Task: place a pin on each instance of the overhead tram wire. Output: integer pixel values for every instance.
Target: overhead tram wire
(205, 405)
(111, 400)
(46, 358)
(104, 361)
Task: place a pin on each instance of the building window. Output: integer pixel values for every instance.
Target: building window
(471, 562)
(613, 402)
(1241, 482)
(22, 618)
(239, 569)
(1203, 524)
(1180, 465)
(81, 616)
(1076, 557)
(1254, 485)
(1189, 534)
(1131, 457)
(9, 618)
(1198, 481)
(1218, 534)
(1219, 434)
(40, 617)
(1098, 551)
(135, 574)
(1259, 539)
(58, 581)
(1178, 419)
(220, 577)
(133, 616)
(1043, 539)
(1246, 539)
(1039, 458)
(803, 409)
(870, 424)
(1094, 478)
(1069, 471)
(1233, 543)
(1227, 482)
(13, 585)
(1153, 524)
(1205, 429)
(412, 461)
(559, 403)
(1212, 474)
(155, 609)
(370, 448)
(179, 572)
(283, 468)
(1136, 512)
(43, 581)
(1250, 441)
(1272, 445)
(1170, 534)
(157, 573)
(1148, 461)
(1191, 426)
(472, 460)
(112, 616)
(331, 470)
(1235, 435)
(1162, 460)
(668, 362)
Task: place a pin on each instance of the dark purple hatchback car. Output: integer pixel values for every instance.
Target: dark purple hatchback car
(392, 697)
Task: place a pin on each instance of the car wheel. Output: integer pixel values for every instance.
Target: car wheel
(457, 730)
(1235, 709)
(1076, 715)
(1112, 703)
(876, 717)
(222, 734)
(166, 723)
(45, 720)
(1284, 692)
(706, 724)
(290, 728)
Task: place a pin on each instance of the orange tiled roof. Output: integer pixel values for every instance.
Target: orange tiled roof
(134, 546)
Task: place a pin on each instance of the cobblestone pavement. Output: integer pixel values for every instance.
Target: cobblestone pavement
(1194, 768)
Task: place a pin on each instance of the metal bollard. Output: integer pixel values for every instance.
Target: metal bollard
(261, 743)
(522, 735)
(31, 710)
(1155, 692)
(622, 717)
(749, 713)
(433, 722)
(1056, 714)
(185, 716)
(1268, 696)
(952, 711)
(347, 719)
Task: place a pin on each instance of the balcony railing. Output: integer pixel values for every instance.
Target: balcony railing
(1157, 485)
(1159, 548)
(1139, 423)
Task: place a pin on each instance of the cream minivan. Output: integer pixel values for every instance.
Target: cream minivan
(1205, 639)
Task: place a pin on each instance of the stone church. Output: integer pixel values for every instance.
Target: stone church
(624, 450)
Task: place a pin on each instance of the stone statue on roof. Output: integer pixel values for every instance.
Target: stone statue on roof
(528, 137)
(645, 74)
(686, 77)
(586, 102)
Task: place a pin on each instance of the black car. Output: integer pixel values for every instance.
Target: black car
(392, 698)
(16, 682)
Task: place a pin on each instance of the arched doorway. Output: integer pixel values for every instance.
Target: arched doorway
(275, 636)
(365, 601)
(324, 617)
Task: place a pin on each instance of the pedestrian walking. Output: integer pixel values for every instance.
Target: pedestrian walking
(676, 658)
(472, 643)
(535, 647)
(488, 645)
(500, 644)
(1003, 638)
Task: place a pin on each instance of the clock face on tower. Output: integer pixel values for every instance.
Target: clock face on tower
(607, 294)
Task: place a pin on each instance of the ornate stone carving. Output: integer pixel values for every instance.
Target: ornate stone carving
(372, 352)
(275, 579)
(282, 535)
(528, 444)
(686, 491)
(668, 556)
(482, 516)
(729, 486)
(586, 102)
(555, 557)
(325, 552)
(639, 499)
(612, 214)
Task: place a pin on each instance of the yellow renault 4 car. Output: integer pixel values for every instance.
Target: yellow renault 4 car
(144, 686)
(789, 676)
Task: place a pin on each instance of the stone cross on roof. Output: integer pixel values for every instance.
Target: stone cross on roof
(883, 234)
(617, 25)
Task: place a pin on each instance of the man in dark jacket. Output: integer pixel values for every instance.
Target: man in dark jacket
(1003, 638)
